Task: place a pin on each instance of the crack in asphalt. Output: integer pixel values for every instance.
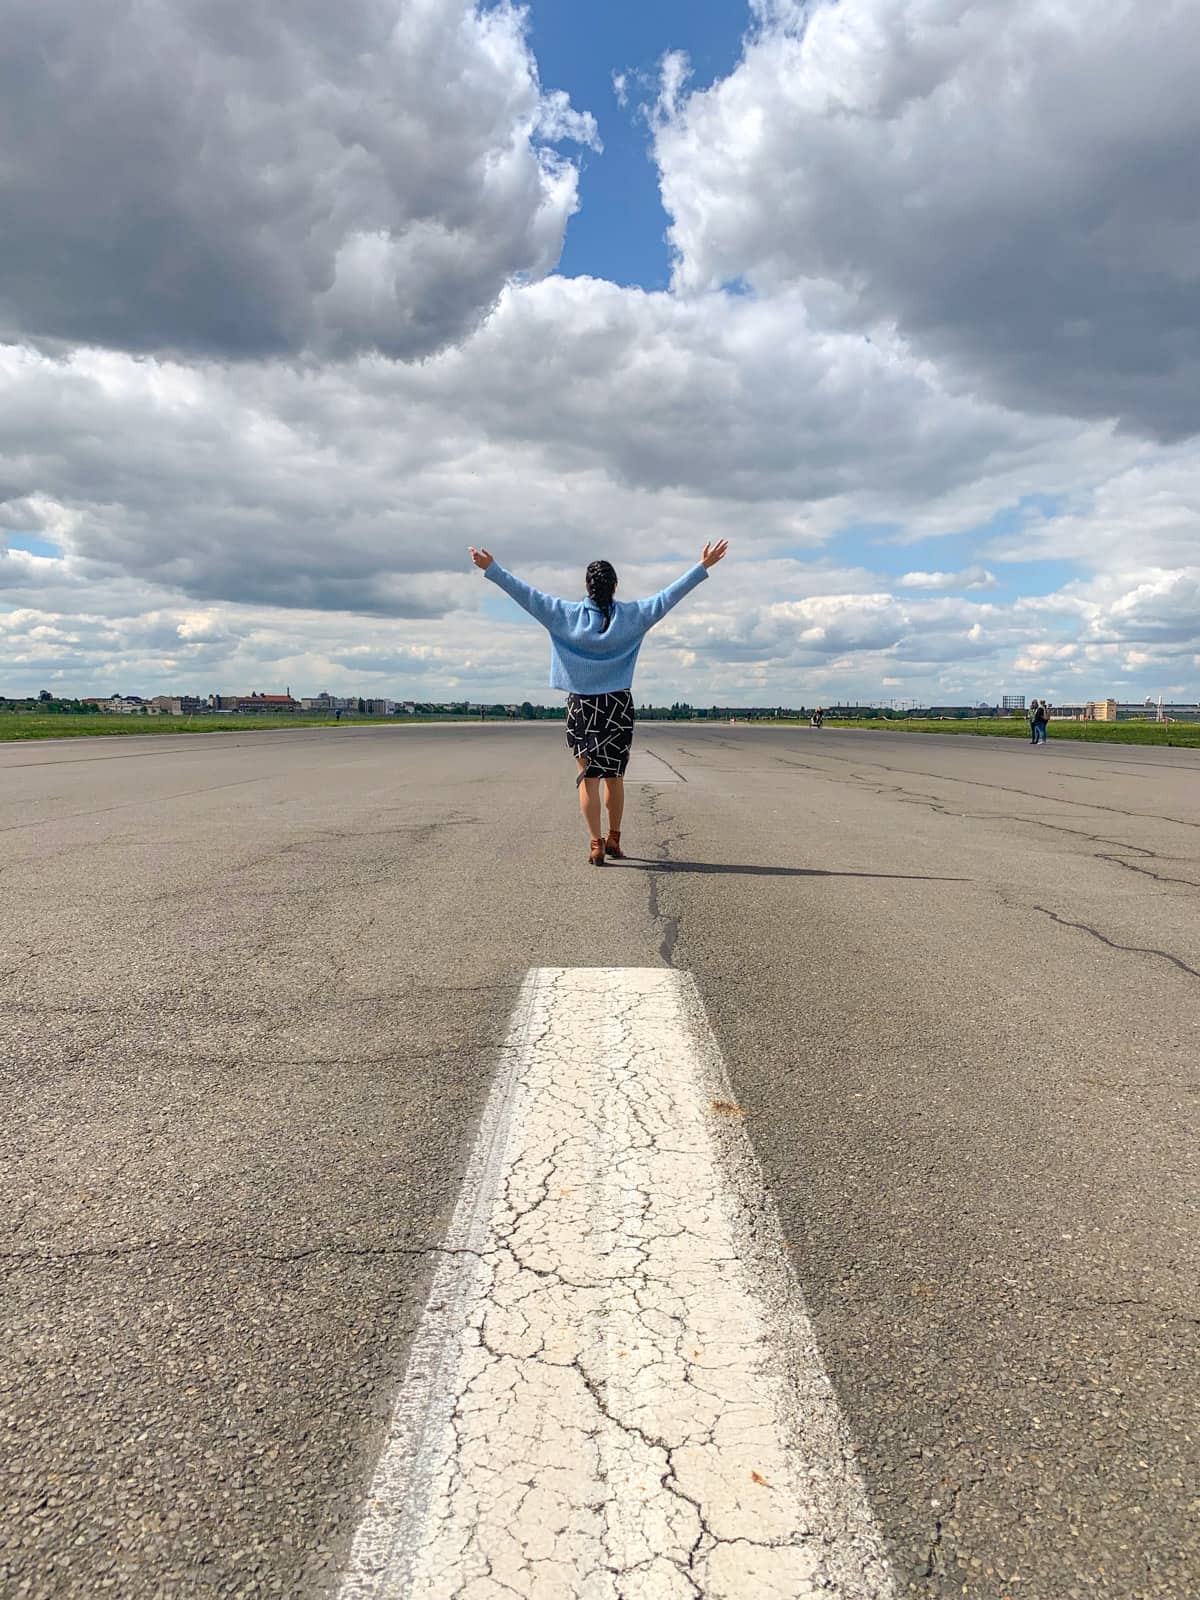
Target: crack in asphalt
(23, 961)
(669, 925)
(979, 783)
(125, 805)
(935, 1567)
(314, 838)
(319, 1002)
(1131, 1303)
(941, 808)
(1113, 944)
(1147, 872)
(215, 1247)
(1139, 1086)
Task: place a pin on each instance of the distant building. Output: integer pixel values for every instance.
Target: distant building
(1126, 711)
(1146, 711)
(1012, 702)
(327, 703)
(123, 705)
(256, 704)
(177, 705)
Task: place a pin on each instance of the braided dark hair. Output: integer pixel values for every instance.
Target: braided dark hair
(601, 582)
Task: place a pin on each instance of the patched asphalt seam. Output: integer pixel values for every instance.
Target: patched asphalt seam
(668, 924)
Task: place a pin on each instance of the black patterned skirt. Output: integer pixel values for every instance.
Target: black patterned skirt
(600, 732)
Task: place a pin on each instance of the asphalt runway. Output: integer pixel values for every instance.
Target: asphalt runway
(254, 989)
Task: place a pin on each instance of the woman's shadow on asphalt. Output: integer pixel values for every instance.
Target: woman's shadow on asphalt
(643, 864)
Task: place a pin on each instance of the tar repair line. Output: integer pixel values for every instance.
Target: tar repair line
(646, 767)
(614, 1393)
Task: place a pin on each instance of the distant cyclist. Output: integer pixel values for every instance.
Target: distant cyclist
(594, 646)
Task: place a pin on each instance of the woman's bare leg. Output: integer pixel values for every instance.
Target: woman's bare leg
(589, 803)
(614, 801)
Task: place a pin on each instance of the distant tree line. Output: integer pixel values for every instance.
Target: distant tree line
(679, 710)
(49, 705)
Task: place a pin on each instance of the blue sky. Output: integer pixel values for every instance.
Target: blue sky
(883, 551)
(32, 545)
(618, 231)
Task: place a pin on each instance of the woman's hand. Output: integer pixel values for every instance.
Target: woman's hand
(483, 560)
(713, 553)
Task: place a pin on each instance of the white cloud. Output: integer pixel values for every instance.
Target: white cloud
(1152, 608)
(1009, 185)
(558, 121)
(262, 521)
(268, 179)
(968, 578)
(583, 419)
(581, 412)
(674, 71)
(1145, 512)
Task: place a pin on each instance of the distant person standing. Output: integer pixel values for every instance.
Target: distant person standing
(1031, 718)
(594, 646)
(1040, 720)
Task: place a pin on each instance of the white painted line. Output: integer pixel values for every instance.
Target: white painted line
(614, 1393)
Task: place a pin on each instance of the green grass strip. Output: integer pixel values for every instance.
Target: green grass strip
(1183, 734)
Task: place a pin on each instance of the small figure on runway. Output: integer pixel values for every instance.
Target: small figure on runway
(1041, 716)
(594, 646)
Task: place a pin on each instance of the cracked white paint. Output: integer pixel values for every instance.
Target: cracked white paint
(614, 1393)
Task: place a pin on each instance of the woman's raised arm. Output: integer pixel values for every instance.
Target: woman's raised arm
(656, 607)
(543, 608)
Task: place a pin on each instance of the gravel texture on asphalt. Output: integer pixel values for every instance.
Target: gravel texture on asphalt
(253, 990)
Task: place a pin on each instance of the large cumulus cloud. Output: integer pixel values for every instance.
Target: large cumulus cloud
(210, 177)
(355, 185)
(582, 416)
(1010, 183)
(582, 419)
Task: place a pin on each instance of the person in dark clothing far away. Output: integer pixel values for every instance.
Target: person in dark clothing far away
(1041, 718)
(1031, 718)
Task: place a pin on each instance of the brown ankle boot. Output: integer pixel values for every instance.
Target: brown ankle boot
(613, 844)
(596, 858)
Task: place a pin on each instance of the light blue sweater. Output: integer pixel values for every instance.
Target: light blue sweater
(584, 659)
